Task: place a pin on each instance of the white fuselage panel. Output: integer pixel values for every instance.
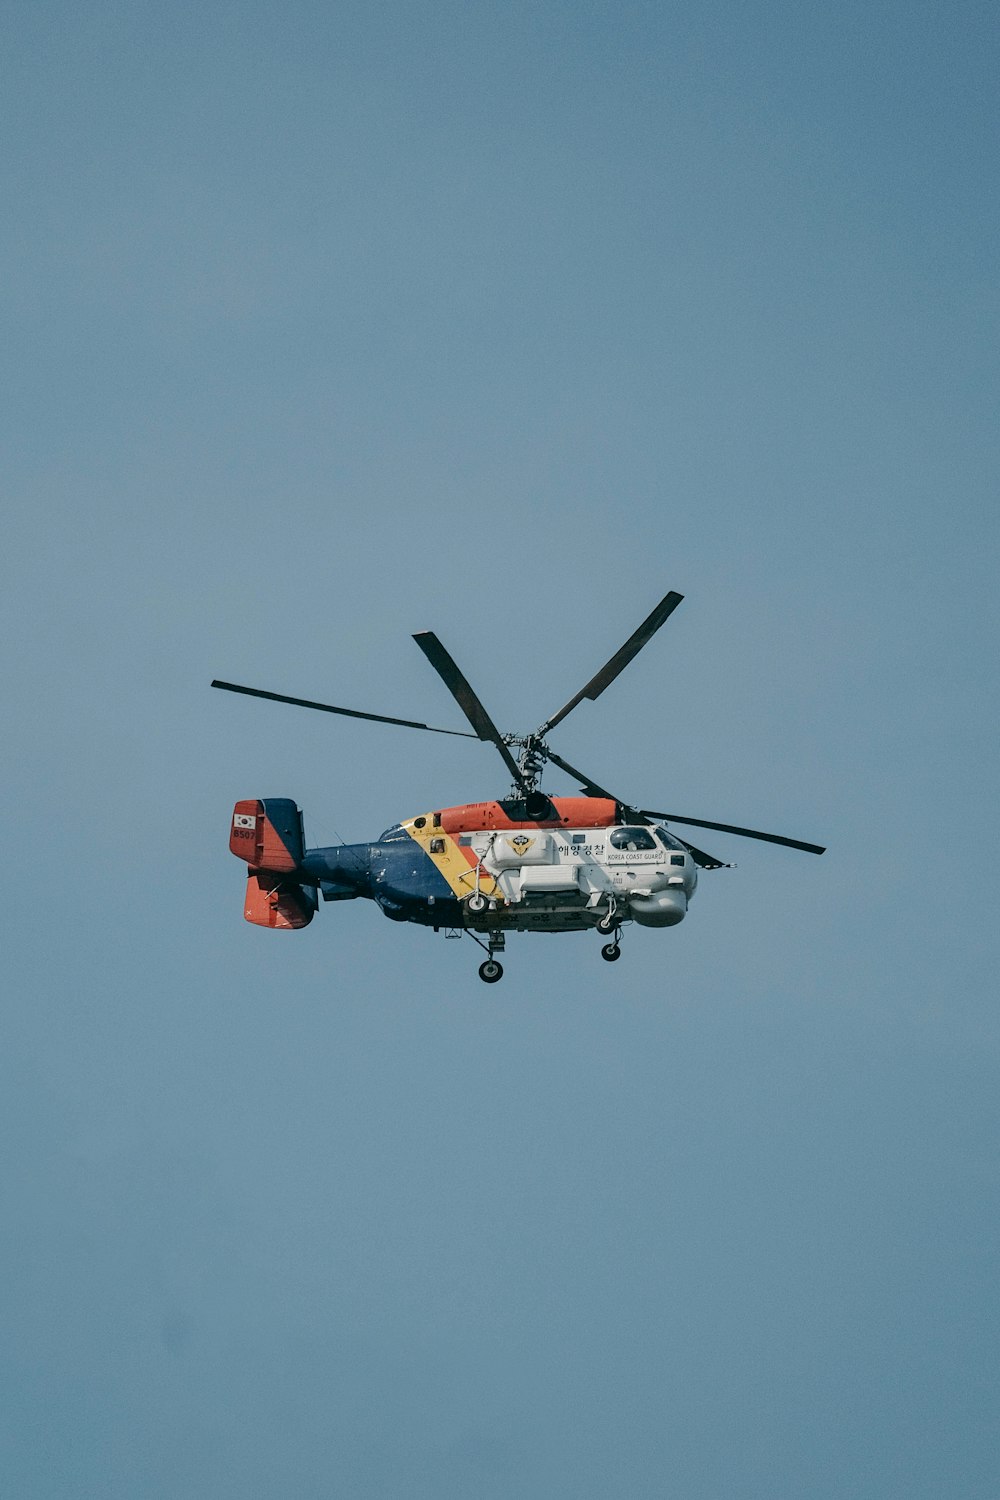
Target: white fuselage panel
(551, 880)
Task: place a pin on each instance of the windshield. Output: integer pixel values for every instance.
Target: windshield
(668, 840)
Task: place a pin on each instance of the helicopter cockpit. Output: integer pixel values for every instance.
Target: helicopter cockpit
(640, 840)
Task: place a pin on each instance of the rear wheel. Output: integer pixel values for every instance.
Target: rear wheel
(477, 903)
(490, 971)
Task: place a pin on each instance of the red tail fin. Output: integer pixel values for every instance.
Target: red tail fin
(267, 833)
(273, 902)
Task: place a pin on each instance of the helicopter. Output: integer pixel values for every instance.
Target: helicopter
(524, 862)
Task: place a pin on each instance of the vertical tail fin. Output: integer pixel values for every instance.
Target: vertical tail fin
(267, 833)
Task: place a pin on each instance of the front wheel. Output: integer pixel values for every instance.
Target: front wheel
(477, 903)
(610, 951)
(490, 971)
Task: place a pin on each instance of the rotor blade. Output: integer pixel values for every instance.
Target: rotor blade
(745, 833)
(329, 708)
(466, 698)
(619, 661)
(591, 788)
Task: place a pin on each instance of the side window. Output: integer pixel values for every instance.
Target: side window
(437, 846)
(676, 859)
(579, 838)
(465, 842)
(632, 838)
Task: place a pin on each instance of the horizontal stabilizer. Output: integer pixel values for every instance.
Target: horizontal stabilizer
(274, 902)
(267, 833)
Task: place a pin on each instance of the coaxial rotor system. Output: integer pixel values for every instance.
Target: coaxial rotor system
(534, 753)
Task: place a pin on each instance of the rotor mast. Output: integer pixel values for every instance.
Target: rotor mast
(531, 761)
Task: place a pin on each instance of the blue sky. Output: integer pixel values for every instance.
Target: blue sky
(325, 324)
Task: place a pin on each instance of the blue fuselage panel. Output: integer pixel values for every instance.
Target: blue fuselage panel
(395, 872)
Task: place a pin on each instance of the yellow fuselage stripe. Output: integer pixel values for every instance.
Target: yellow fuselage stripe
(458, 866)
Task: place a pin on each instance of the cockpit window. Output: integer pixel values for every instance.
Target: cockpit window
(668, 841)
(632, 838)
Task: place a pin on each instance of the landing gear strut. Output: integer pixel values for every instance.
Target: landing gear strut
(610, 925)
(490, 971)
(609, 922)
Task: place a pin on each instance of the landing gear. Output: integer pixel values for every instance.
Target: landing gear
(610, 926)
(477, 902)
(609, 922)
(490, 971)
